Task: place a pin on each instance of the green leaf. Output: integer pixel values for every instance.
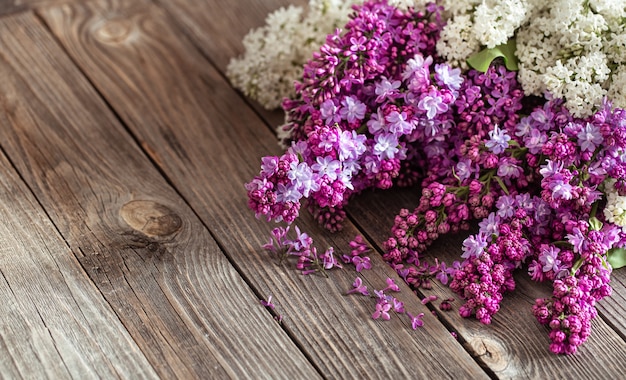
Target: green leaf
(481, 60)
(595, 223)
(502, 185)
(617, 257)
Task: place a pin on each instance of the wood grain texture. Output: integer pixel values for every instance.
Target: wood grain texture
(12, 6)
(8, 7)
(514, 345)
(55, 323)
(188, 309)
(209, 143)
(202, 20)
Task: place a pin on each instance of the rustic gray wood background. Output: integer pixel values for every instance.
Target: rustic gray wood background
(127, 249)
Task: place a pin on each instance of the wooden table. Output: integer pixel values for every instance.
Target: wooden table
(127, 249)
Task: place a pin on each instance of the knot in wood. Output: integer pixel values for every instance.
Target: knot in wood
(493, 353)
(151, 218)
(113, 31)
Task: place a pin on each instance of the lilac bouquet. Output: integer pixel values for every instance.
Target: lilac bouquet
(377, 107)
(367, 101)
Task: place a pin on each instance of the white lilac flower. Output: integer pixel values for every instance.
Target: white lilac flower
(574, 50)
(274, 54)
(616, 89)
(457, 41)
(496, 21)
(615, 209)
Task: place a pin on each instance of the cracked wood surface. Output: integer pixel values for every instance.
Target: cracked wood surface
(128, 151)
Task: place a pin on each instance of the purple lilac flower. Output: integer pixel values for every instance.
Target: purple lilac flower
(549, 259)
(534, 140)
(361, 263)
(391, 285)
(376, 123)
(474, 246)
(509, 168)
(498, 140)
(358, 287)
(268, 303)
(269, 165)
(448, 76)
(327, 166)
(287, 193)
(416, 320)
(330, 112)
(560, 187)
(505, 206)
(589, 138)
(386, 146)
(398, 123)
(386, 89)
(577, 240)
(417, 66)
(398, 306)
(351, 145)
(352, 109)
(433, 104)
(303, 179)
(382, 310)
(489, 225)
(465, 132)
(463, 169)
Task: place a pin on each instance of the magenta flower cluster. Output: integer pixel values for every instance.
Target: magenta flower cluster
(555, 226)
(376, 108)
(367, 99)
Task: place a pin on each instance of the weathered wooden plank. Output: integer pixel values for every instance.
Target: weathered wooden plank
(219, 27)
(8, 7)
(202, 20)
(11, 6)
(514, 345)
(55, 323)
(613, 309)
(184, 304)
(209, 143)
